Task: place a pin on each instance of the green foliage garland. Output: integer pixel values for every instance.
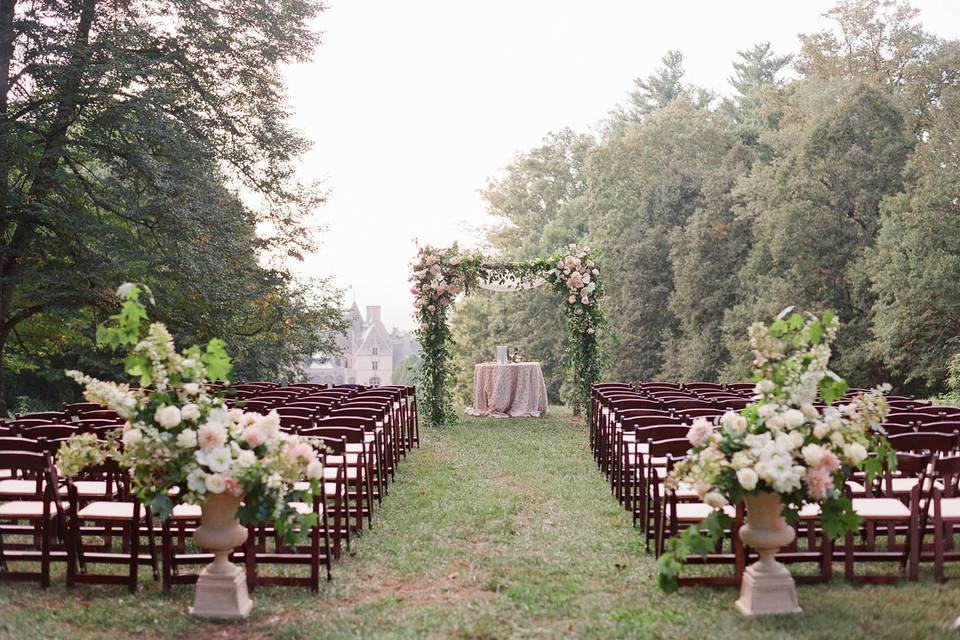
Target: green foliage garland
(439, 275)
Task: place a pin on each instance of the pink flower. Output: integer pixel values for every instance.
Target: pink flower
(233, 487)
(575, 281)
(425, 287)
(300, 452)
(211, 436)
(255, 435)
(818, 481)
(699, 431)
(829, 461)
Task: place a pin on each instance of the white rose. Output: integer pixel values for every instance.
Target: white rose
(820, 430)
(776, 423)
(572, 299)
(793, 418)
(190, 412)
(219, 416)
(187, 439)
(191, 388)
(246, 458)
(215, 483)
(315, 470)
(765, 386)
(812, 454)
(124, 290)
(855, 453)
(167, 417)
(796, 438)
(809, 410)
(747, 478)
(837, 439)
(132, 437)
(715, 500)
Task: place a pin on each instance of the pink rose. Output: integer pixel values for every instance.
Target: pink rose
(254, 435)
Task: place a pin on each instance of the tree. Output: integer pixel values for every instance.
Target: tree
(536, 197)
(758, 67)
(882, 42)
(643, 188)
(816, 216)
(703, 257)
(539, 201)
(879, 40)
(120, 127)
(656, 91)
(916, 265)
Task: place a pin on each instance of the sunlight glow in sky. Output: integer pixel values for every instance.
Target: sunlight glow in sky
(412, 106)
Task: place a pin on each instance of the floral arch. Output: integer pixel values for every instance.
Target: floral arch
(440, 275)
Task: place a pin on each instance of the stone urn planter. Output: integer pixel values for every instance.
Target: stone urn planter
(222, 586)
(767, 586)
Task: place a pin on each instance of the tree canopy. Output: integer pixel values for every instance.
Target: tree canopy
(835, 188)
(149, 141)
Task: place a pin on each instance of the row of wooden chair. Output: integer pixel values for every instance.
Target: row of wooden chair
(47, 519)
(907, 513)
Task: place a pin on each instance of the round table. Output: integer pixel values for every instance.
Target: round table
(510, 390)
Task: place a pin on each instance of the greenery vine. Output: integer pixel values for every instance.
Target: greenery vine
(440, 275)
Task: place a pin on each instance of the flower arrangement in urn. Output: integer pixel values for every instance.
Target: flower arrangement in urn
(778, 454)
(182, 442)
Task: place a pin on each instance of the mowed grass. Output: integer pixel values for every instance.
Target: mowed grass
(494, 529)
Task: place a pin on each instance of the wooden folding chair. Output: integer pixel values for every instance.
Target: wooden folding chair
(42, 509)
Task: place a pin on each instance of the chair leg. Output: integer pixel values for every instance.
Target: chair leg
(134, 552)
(938, 549)
(45, 553)
(166, 556)
(326, 543)
(848, 557)
(152, 545)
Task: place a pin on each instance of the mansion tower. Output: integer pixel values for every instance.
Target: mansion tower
(369, 353)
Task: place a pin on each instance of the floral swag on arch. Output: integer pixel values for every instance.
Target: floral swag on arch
(440, 275)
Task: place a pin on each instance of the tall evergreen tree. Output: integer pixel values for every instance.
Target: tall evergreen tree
(656, 91)
(757, 67)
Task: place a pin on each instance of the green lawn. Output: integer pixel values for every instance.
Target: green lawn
(494, 529)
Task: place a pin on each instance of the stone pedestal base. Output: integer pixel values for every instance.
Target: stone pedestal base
(222, 596)
(767, 589)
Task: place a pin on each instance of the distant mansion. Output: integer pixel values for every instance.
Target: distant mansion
(370, 353)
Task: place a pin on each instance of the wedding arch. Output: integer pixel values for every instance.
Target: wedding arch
(440, 275)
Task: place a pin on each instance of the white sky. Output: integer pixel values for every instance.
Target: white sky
(412, 105)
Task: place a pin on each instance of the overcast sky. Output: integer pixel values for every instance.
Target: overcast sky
(412, 105)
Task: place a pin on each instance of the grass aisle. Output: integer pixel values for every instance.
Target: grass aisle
(495, 529)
